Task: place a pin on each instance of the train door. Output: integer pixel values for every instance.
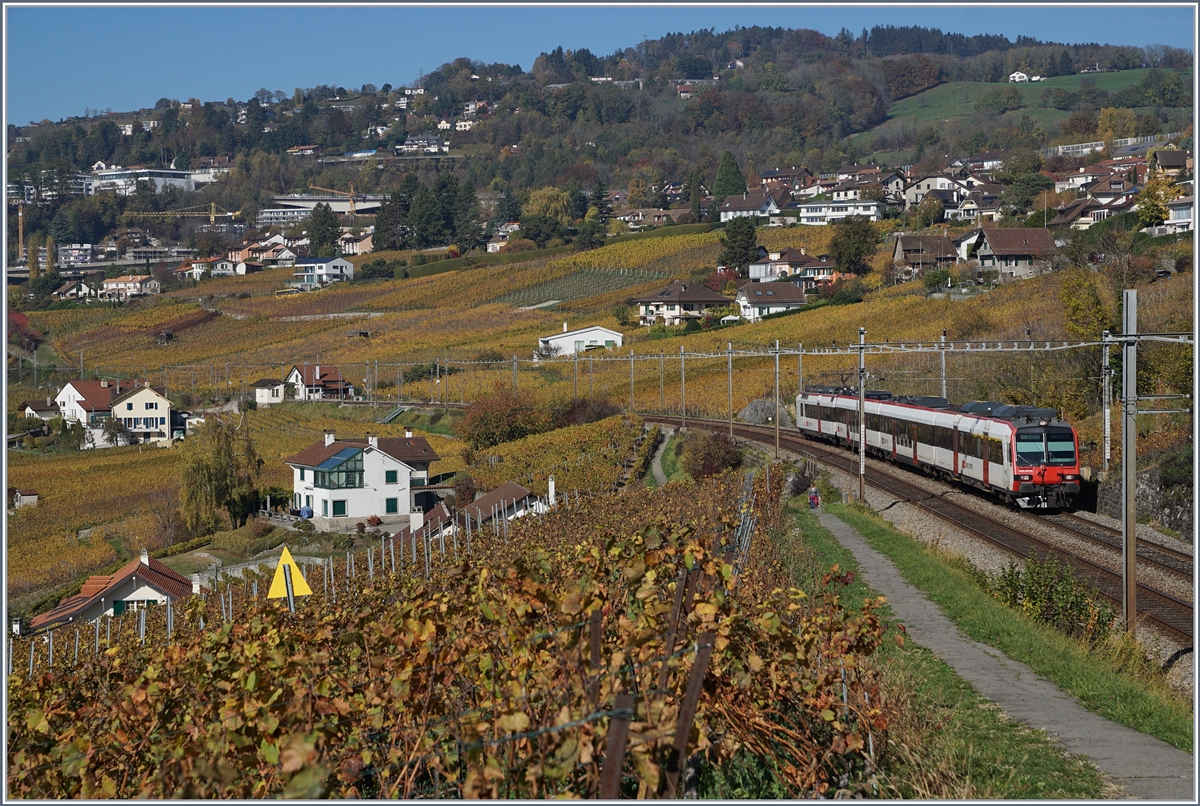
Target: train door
(893, 430)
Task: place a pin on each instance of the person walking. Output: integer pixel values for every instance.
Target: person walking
(814, 498)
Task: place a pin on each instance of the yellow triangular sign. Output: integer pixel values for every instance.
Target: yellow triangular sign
(279, 586)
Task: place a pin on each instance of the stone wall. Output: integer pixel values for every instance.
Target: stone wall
(1170, 506)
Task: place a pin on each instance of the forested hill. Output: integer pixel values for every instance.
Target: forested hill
(774, 97)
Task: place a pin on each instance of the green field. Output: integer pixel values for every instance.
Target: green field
(957, 100)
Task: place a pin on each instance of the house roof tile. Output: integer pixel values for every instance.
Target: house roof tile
(403, 449)
(155, 574)
(681, 291)
(1020, 241)
(481, 508)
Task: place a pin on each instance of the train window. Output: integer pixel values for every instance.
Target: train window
(1030, 449)
(942, 437)
(995, 451)
(1060, 445)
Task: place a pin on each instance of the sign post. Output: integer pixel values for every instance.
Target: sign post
(288, 581)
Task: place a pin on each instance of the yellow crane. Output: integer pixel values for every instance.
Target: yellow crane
(211, 213)
(351, 195)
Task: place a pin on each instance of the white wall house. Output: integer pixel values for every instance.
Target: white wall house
(146, 412)
(89, 402)
(756, 300)
(347, 481)
(268, 392)
(833, 212)
(1018, 78)
(316, 272)
(570, 342)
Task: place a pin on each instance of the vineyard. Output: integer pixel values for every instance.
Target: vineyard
(596, 652)
(588, 457)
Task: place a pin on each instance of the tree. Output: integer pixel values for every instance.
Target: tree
(1113, 124)
(730, 179)
(116, 432)
(391, 230)
(929, 212)
(695, 194)
(31, 250)
(221, 470)
(550, 202)
(854, 240)
(426, 219)
(706, 453)
(739, 242)
(502, 416)
(599, 200)
(1152, 202)
(591, 235)
(539, 228)
(577, 201)
(323, 231)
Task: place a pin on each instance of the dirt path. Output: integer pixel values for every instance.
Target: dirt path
(1144, 766)
(660, 478)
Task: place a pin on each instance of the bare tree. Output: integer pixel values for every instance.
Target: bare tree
(164, 509)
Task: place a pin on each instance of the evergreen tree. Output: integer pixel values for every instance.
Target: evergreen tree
(739, 244)
(426, 219)
(509, 208)
(577, 201)
(323, 231)
(1066, 65)
(600, 201)
(406, 192)
(695, 193)
(466, 217)
(391, 228)
(730, 181)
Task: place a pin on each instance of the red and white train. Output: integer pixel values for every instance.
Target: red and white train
(1022, 454)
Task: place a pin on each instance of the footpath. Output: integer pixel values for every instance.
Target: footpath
(1145, 767)
(660, 478)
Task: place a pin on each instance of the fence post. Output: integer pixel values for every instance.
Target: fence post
(680, 583)
(614, 750)
(50, 658)
(687, 713)
(594, 624)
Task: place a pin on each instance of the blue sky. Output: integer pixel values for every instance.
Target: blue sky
(61, 60)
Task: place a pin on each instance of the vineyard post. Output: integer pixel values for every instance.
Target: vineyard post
(942, 350)
(594, 655)
(96, 651)
(591, 379)
(400, 385)
(287, 581)
(76, 662)
(661, 400)
(614, 751)
(729, 371)
(687, 712)
(631, 380)
(254, 588)
(862, 417)
(576, 362)
(142, 626)
(682, 391)
(514, 370)
(799, 372)
(778, 407)
(50, 658)
(371, 564)
(32, 647)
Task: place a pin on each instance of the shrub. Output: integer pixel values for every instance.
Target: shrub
(502, 416)
(706, 453)
(343, 542)
(303, 525)
(261, 528)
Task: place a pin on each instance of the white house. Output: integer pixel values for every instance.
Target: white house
(140, 583)
(268, 392)
(756, 300)
(337, 483)
(130, 285)
(1018, 78)
(1179, 219)
(817, 213)
(43, 410)
(678, 303)
(222, 267)
(318, 272)
(90, 402)
(319, 382)
(570, 342)
(145, 412)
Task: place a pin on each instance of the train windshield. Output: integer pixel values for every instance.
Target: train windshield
(1031, 448)
(1060, 446)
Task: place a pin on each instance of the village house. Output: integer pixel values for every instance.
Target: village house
(146, 414)
(350, 244)
(22, 498)
(318, 272)
(1014, 252)
(42, 409)
(781, 264)
(754, 203)
(756, 300)
(791, 179)
(1171, 162)
(130, 285)
(570, 342)
(74, 289)
(1181, 214)
(337, 483)
(920, 253)
(319, 382)
(678, 303)
(817, 213)
(142, 582)
(90, 402)
(268, 392)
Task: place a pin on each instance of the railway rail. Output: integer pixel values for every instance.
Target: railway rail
(1167, 613)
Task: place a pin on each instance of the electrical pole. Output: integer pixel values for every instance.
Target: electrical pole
(661, 400)
(631, 380)
(682, 392)
(799, 373)
(576, 376)
(1106, 397)
(777, 406)
(514, 373)
(1129, 457)
(862, 415)
(943, 356)
(729, 355)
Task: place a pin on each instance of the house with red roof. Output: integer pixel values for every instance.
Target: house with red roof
(319, 382)
(90, 402)
(143, 582)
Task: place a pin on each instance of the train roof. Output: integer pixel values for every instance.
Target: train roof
(990, 409)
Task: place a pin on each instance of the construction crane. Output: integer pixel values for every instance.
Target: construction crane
(211, 213)
(351, 195)
(19, 203)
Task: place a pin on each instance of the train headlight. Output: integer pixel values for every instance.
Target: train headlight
(1024, 477)
(1070, 477)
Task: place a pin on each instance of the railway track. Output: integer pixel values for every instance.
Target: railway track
(1167, 613)
(1168, 560)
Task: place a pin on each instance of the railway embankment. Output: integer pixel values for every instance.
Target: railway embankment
(1160, 496)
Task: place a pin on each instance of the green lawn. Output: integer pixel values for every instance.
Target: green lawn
(1145, 705)
(950, 743)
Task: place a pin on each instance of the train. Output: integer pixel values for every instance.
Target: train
(1024, 455)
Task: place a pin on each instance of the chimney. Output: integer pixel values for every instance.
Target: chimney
(145, 556)
(316, 373)
(416, 520)
(373, 441)
(803, 251)
(329, 438)
(103, 383)
(407, 433)
(195, 583)
(551, 491)
(564, 327)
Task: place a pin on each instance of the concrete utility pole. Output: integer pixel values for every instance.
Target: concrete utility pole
(631, 380)
(514, 372)
(729, 355)
(576, 362)
(1129, 457)
(682, 391)
(943, 357)
(777, 402)
(862, 415)
(662, 403)
(1106, 397)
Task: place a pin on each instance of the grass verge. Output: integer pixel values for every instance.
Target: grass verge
(949, 742)
(1145, 705)
(670, 462)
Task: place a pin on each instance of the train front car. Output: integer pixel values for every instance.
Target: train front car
(1045, 464)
